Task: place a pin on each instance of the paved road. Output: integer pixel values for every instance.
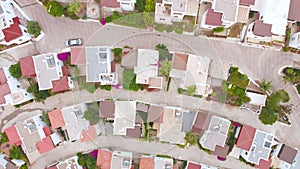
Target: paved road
(133, 145)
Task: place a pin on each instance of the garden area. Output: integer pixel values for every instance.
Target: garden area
(129, 79)
(273, 110)
(292, 75)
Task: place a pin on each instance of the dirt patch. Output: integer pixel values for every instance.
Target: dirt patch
(235, 30)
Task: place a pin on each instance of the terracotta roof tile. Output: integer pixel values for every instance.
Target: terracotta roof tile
(155, 114)
(247, 2)
(107, 109)
(213, 18)
(193, 166)
(2, 76)
(104, 159)
(262, 29)
(12, 32)
(180, 61)
(246, 137)
(27, 66)
(201, 123)
(4, 90)
(60, 85)
(56, 118)
(45, 145)
(146, 163)
(294, 13)
(13, 136)
(89, 134)
(78, 56)
(287, 154)
(109, 3)
(263, 164)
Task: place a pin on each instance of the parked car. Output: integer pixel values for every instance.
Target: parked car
(74, 42)
(285, 118)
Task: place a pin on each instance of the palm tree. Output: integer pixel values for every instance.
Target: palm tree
(190, 90)
(165, 67)
(265, 86)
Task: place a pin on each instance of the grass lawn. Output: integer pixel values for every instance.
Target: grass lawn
(128, 75)
(132, 20)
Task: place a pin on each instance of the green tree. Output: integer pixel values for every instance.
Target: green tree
(191, 138)
(190, 90)
(74, 7)
(284, 96)
(140, 5)
(163, 51)
(265, 86)
(3, 138)
(86, 160)
(148, 18)
(15, 70)
(34, 28)
(92, 115)
(165, 67)
(45, 118)
(150, 6)
(38, 94)
(218, 29)
(55, 9)
(267, 116)
(16, 153)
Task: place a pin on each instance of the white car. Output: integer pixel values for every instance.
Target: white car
(74, 42)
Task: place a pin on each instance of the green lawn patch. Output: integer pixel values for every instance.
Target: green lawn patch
(132, 20)
(129, 79)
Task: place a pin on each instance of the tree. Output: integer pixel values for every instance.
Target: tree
(74, 7)
(55, 9)
(218, 29)
(148, 18)
(38, 94)
(265, 86)
(3, 138)
(92, 115)
(86, 160)
(163, 51)
(191, 138)
(140, 5)
(34, 28)
(150, 6)
(284, 96)
(165, 67)
(45, 118)
(15, 70)
(190, 90)
(267, 116)
(16, 153)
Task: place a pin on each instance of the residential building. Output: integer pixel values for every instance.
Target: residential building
(168, 11)
(192, 70)
(171, 128)
(289, 157)
(295, 40)
(246, 137)
(147, 68)
(294, 15)
(67, 164)
(223, 13)
(27, 66)
(11, 90)
(97, 61)
(156, 116)
(146, 162)
(201, 123)
(56, 119)
(107, 109)
(121, 160)
(104, 159)
(193, 165)
(260, 148)
(33, 136)
(50, 74)
(6, 163)
(160, 162)
(257, 101)
(118, 5)
(216, 135)
(13, 29)
(272, 22)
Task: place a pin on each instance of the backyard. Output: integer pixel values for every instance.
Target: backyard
(129, 79)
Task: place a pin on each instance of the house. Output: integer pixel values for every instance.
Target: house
(67, 163)
(168, 11)
(6, 163)
(171, 128)
(125, 114)
(193, 165)
(201, 123)
(260, 148)
(161, 162)
(294, 15)
(272, 22)
(97, 61)
(107, 109)
(257, 101)
(27, 66)
(104, 159)
(295, 40)
(289, 157)
(121, 159)
(123, 5)
(146, 162)
(147, 68)
(11, 90)
(32, 135)
(223, 13)
(56, 118)
(216, 134)
(13, 28)
(50, 74)
(192, 70)
(246, 137)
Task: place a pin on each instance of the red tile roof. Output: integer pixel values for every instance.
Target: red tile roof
(107, 109)
(89, 134)
(56, 118)
(146, 163)
(213, 18)
(4, 90)
(104, 159)
(78, 56)
(201, 123)
(294, 13)
(263, 164)
(13, 136)
(247, 2)
(155, 114)
(262, 29)
(109, 3)
(47, 131)
(193, 166)
(180, 61)
(221, 151)
(246, 137)
(134, 133)
(287, 154)
(60, 85)
(45, 145)
(27, 66)
(65, 70)
(2, 76)
(13, 31)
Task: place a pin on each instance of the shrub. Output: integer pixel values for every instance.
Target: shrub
(92, 115)
(191, 138)
(165, 67)
(15, 70)
(285, 49)
(179, 30)
(169, 28)
(3, 138)
(74, 17)
(108, 19)
(55, 9)
(74, 7)
(116, 15)
(39, 95)
(106, 87)
(84, 17)
(45, 118)
(140, 5)
(218, 29)
(34, 28)
(159, 27)
(16, 153)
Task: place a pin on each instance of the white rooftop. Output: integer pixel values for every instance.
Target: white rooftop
(256, 99)
(121, 160)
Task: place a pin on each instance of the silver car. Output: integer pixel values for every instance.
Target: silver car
(74, 42)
